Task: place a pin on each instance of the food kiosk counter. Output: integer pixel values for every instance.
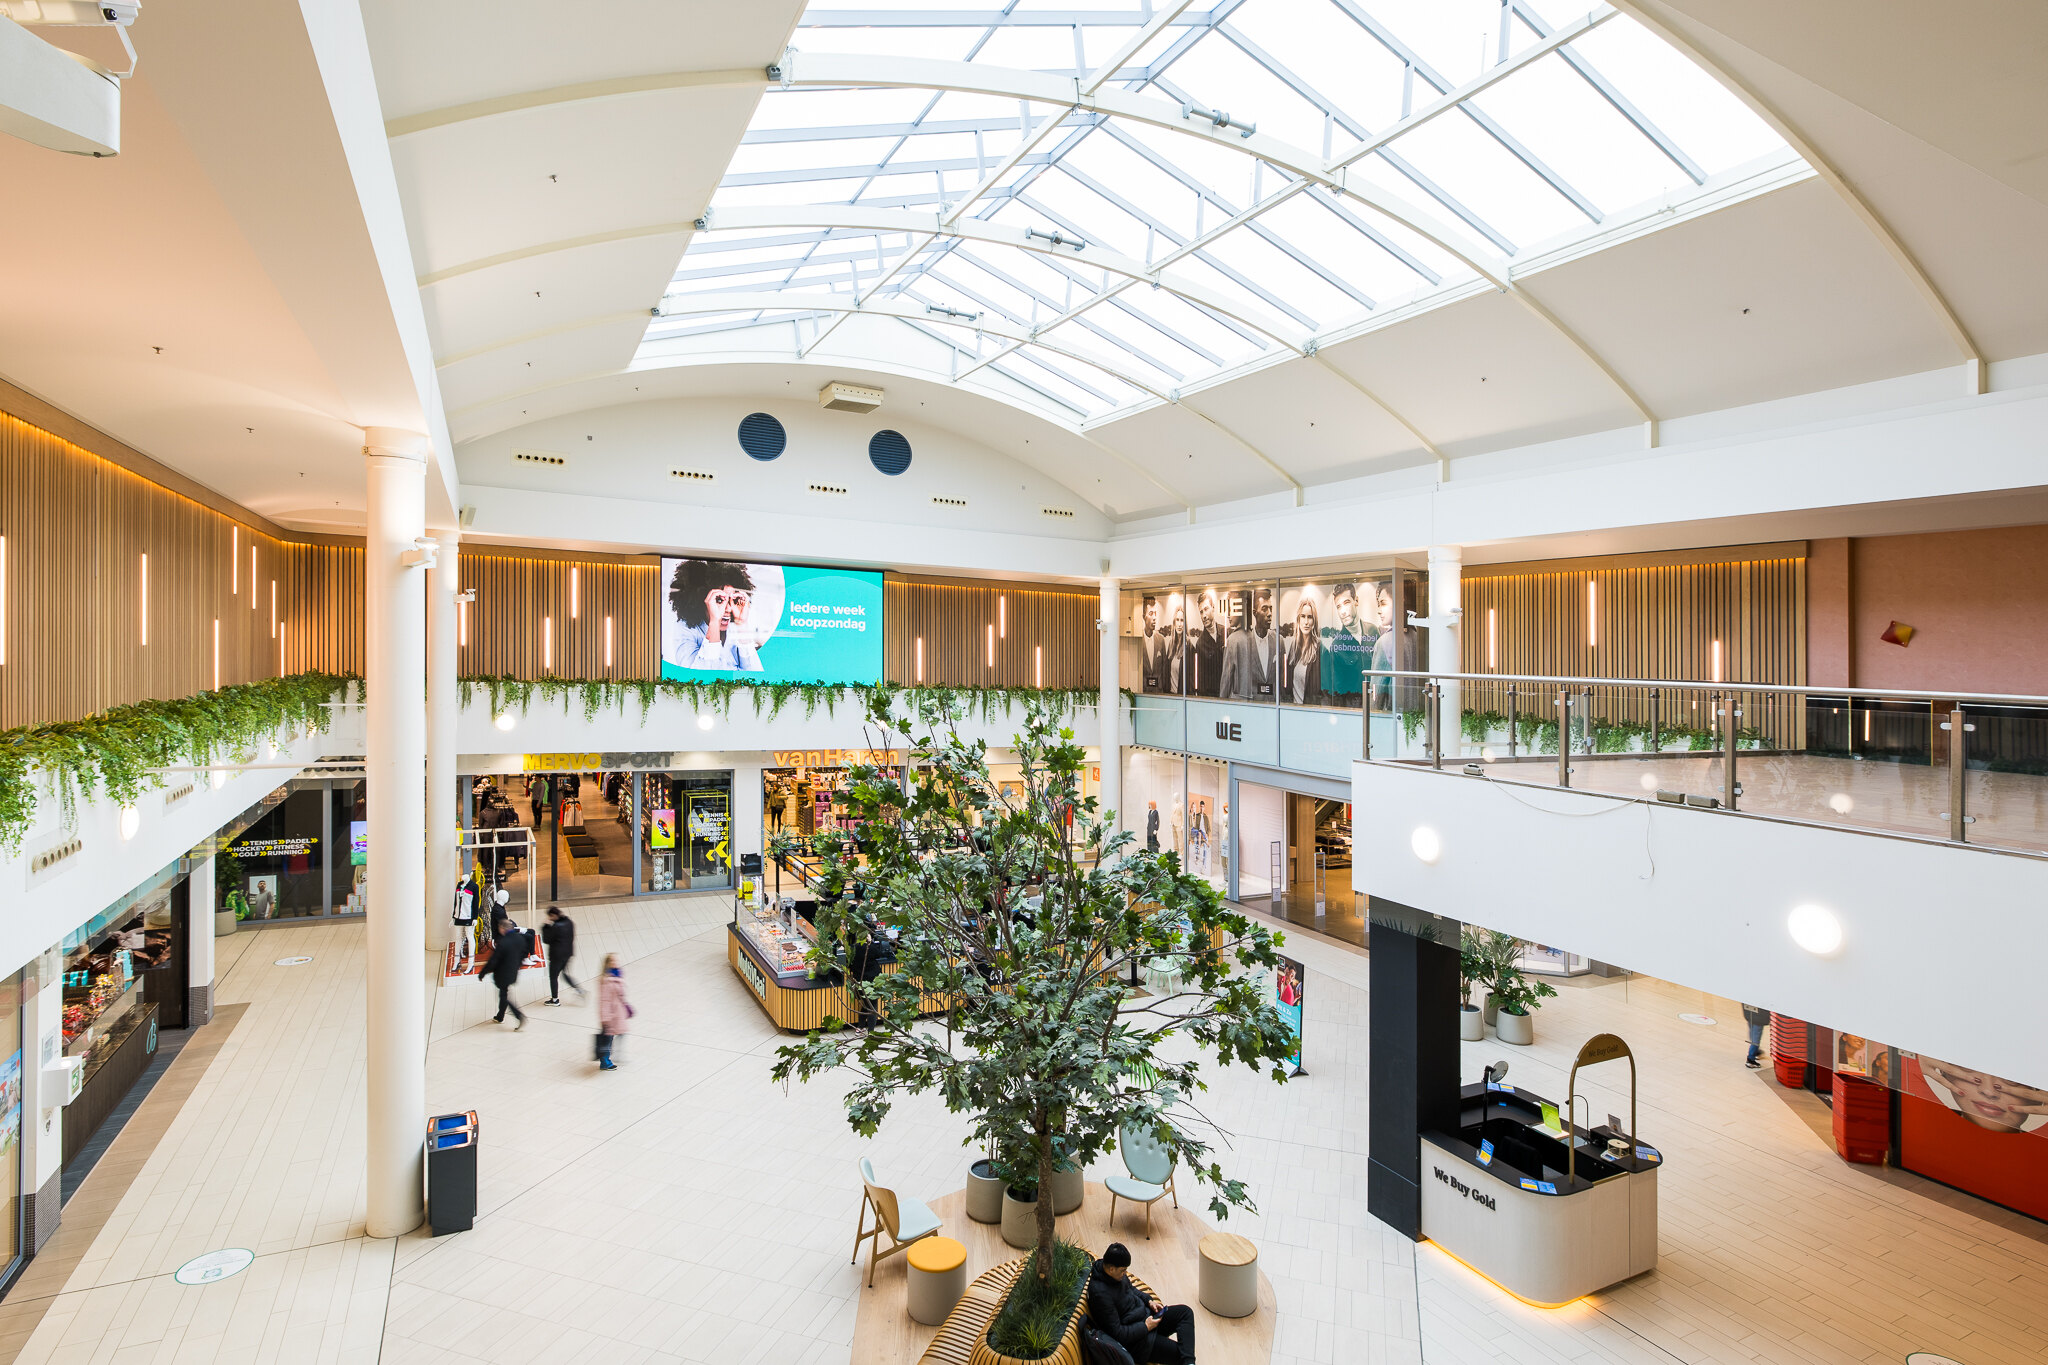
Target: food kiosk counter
(1546, 1221)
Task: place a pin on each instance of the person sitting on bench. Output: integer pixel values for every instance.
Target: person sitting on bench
(1148, 1329)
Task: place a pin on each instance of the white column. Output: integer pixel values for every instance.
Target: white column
(443, 813)
(200, 899)
(1446, 652)
(394, 681)
(1110, 707)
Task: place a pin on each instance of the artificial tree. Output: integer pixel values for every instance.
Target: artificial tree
(998, 910)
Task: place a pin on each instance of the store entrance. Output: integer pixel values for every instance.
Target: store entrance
(581, 849)
(686, 833)
(1296, 852)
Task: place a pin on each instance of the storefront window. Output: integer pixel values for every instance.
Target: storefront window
(1155, 799)
(349, 848)
(685, 830)
(11, 989)
(1208, 831)
(276, 869)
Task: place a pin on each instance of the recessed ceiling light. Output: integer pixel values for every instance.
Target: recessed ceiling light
(1425, 843)
(1816, 929)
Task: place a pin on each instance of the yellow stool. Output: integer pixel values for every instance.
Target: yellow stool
(938, 1277)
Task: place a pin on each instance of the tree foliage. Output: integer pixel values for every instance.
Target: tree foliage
(998, 912)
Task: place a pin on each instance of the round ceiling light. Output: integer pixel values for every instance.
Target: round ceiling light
(1816, 929)
(131, 821)
(1425, 843)
(762, 436)
(889, 452)
(504, 720)
(703, 722)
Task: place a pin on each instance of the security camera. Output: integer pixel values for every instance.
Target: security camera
(466, 595)
(1101, 624)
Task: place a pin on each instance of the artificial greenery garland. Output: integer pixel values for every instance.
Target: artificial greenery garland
(505, 693)
(118, 751)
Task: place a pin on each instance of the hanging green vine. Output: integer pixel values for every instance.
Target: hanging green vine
(769, 699)
(116, 752)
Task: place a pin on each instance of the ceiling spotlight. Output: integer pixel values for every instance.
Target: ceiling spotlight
(1816, 929)
(703, 722)
(1425, 843)
(504, 720)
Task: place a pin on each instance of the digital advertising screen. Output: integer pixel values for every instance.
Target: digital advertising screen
(770, 622)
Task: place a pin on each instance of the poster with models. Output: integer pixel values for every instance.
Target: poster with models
(770, 622)
(1976, 1131)
(10, 1103)
(1289, 987)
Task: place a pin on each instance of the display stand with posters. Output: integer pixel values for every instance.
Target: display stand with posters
(1290, 989)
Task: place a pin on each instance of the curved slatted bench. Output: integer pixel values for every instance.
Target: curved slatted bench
(963, 1340)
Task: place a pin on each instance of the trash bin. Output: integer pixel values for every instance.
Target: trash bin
(451, 1172)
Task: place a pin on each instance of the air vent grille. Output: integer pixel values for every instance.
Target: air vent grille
(537, 457)
(950, 502)
(693, 475)
(829, 490)
(762, 436)
(839, 397)
(57, 853)
(889, 452)
(1061, 512)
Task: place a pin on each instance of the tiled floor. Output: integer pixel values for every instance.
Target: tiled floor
(683, 1208)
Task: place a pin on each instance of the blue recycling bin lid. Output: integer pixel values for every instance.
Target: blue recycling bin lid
(443, 1141)
(452, 1123)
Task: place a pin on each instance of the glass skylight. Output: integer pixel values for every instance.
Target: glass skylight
(1200, 207)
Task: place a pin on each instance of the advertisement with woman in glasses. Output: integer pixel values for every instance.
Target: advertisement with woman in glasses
(771, 622)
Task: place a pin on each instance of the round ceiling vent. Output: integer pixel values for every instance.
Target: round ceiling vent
(762, 437)
(889, 452)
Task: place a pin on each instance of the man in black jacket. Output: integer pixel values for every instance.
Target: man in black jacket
(559, 934)
(508, 954)
(1146, 1328)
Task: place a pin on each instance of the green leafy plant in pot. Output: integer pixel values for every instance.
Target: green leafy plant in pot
(995, 909)
(1474, 968)
(1518, 997)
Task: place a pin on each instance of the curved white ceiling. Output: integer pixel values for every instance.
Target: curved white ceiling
(1243, 247)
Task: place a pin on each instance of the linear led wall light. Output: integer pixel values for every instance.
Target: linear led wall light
(1492, 639)
(235, 560)
(920, 658)
(1056, 239)
(3, 601)
(145, 599)
(1038, 665)
(1219, 118)
(575, 592)
(273, 608)
(216, 654)
(991, 646)
(547, 642)
(607, 642)
(1003, 616)
(252, 578)
(1592, 613)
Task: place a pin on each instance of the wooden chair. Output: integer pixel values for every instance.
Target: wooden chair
(1151, 1174)
(905, 1220)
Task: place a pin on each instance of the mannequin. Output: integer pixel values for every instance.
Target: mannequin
(1151, 826)
(1174, 823)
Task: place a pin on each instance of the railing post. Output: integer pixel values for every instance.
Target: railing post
(1365, 715)
(1730, 713)
(1564, 736)
(1656, 714)
(1511, 720)
(1958, 766)
(1432, 693)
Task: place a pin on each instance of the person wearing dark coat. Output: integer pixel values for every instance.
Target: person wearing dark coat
(1149, 1330)
(559, 934)
(508, 954)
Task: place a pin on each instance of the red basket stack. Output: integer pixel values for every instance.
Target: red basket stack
(1863, 1119)
(1788, 1050)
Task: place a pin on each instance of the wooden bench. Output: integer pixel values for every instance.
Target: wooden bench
(963, 1340)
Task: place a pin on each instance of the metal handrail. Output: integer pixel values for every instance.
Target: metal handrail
(1725, 685)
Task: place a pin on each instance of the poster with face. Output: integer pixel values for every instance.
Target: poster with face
(770, 622)
(1979, 1132)
(1161, 626)
(263, 896)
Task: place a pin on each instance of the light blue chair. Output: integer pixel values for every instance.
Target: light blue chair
(1150, 1164)
(905, 1220)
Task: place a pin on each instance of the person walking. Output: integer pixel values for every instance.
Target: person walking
(508, 955)
(1758, 1018)
(613, 1011)
(559, 934)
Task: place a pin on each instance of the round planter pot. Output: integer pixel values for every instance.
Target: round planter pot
(1492, 1010)
(223, 922)
(1471, 1023)
(1020, 1222)
(1516, 1028)
(984, 1193)
(1068, 1189)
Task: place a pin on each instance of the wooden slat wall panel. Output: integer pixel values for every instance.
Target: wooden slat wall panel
(77, 528)
(517, 594)
(1653, 622)
(954, 619)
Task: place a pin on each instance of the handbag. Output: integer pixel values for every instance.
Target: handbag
(1102, 1348)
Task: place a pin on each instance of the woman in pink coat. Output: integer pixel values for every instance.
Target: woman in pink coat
(613, 1010)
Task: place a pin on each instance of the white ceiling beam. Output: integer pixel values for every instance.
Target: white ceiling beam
(1945, 314)
(1443, 461)
(741, 218)
(735, 78)
(1263, 458)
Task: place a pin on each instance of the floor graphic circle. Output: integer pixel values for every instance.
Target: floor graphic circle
(1703, 1020)
(215, 1265)
(292, 961)
(1931, 1358)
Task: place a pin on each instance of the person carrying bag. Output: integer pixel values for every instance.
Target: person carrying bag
(613, 1011)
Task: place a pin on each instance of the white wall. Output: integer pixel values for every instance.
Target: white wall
(617, 488)
(1942, 943)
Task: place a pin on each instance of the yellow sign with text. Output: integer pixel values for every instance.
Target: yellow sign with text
(560, 763)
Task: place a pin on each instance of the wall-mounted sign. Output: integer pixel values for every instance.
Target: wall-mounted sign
(774, 622)
(1479, 1197)
(607, 761)
(295, 847)
(835, 758)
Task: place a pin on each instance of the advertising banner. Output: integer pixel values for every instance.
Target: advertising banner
(770, 622)
(1290, 985)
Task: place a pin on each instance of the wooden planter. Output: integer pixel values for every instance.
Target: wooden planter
(963, 1340)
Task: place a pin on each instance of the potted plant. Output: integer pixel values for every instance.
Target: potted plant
(984, 1192)
(995, 909)
(1473, 969)
(1518, 996)
(1496, 954)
